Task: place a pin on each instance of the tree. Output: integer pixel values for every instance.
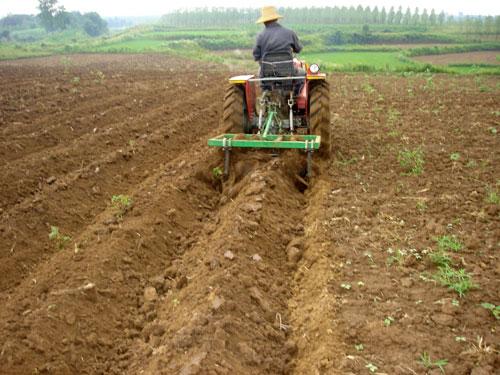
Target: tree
(391, 16)
(497, 26)
(5, 35)
(424, 19)
(407, 16)
(489, 25)
(47, 12)
(52, 17)
(441, 18)
(433, 18)
(375, 15)
(383, 16)
(94, 25)
(415, 20)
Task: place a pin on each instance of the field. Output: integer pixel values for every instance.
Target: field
(490, 57)
(383, 49)
(122, 251)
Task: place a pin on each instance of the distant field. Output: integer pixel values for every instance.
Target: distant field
(377, 60)
(233, 49)
(480, 57)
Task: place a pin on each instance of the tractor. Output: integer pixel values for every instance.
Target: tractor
(285, 107)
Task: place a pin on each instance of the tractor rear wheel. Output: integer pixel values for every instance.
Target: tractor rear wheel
(319, 116)
(234, 117)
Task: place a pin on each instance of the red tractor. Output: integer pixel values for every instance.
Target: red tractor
(287, 106)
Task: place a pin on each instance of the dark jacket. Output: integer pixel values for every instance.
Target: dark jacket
(275, 38)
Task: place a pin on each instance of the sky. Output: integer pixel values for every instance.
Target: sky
(111, 8)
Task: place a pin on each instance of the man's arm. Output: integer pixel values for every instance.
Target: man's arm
(257, 52)
(296, 46)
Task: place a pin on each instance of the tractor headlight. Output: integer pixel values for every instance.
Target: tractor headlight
(314, 68)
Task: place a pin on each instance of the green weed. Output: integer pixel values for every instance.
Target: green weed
(67, 63)
(493, 130)
(458, 280)
(471, 164)
(429, 85)
(59, 239)
(398, 257)
(440, 258)
(393, 115)
(421, 206)
(495, 310)
(394, 133)
(425, 360)
(493, 197)
(412, 161)
(371, 367)
(455, 156)
(388, 321)
(368, 88)
(343, 161)
(99, 76)
(121, 203)
(449, 243)
(217, 173)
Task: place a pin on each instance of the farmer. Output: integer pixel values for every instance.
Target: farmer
(274, 38)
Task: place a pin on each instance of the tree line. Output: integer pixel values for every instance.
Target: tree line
(217, 17)
(54, 18)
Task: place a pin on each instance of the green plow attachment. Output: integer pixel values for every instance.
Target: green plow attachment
(308, 143)
(304, 142)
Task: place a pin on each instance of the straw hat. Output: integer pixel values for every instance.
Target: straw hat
(268, 14)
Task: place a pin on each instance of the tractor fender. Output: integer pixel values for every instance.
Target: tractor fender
(249, 90)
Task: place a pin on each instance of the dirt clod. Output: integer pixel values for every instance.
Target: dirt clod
(150, 294)
(182, 282)
(294, 254)
(51, 180)
(229, 255)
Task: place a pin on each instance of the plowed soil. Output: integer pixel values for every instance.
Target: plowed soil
(483, 57)
(259, 274)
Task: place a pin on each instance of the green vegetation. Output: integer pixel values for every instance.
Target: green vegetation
(455, 156)
(440, 258)
(354, 39)
(495, 310)
(493, 197)
(217, 173)
(388, 321)
(425, 360)
(59, 239)
(371, 367)
(421, 206)
(412, 161)
(447, 275)
(449, 243)
(121, 203)
(456, 279)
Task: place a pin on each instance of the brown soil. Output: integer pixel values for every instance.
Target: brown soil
(483, 57)
(254, 275)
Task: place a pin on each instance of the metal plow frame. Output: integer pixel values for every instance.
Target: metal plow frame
(308, 143)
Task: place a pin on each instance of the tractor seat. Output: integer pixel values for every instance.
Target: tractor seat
(277, 65)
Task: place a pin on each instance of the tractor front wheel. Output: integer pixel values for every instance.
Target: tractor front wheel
(319, 116)
(234, 117)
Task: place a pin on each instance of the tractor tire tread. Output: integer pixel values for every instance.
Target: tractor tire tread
(233, 110)
(319, 116)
